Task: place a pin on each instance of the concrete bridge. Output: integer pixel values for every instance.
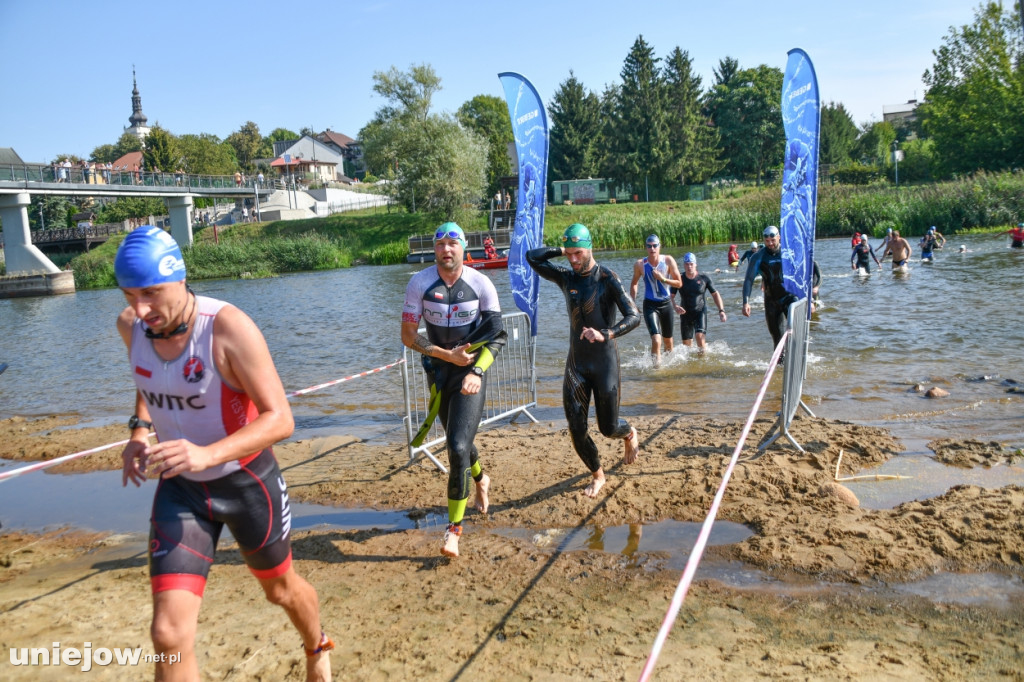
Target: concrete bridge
(19, 183)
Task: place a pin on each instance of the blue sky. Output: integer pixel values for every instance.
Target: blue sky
(208, 67)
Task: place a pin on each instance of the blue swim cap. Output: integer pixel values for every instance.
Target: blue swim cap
(450, 231)
(148, 256)
(689, 258)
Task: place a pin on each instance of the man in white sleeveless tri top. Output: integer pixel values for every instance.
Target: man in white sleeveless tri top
(208, 386)
(659, 272)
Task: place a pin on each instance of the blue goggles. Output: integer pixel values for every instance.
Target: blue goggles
(451, 235)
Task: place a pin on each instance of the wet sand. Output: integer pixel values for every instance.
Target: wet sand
(511, 609)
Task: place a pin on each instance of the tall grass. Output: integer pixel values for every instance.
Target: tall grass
(982, 201)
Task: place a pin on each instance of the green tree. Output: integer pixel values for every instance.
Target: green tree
(408, 93)
(874, 146)
(693, 144)
(838, 135)
(205, 154)
(639, 148)
(487, 116)
(974, 109)
(576, 132)
(131, 207)
(161, 151)
(745, 107)
(49, 212)
(434, 164)
(125, 144)
(246, 141)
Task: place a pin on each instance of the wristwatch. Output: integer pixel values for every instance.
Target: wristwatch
(477, 371)
(136, 423)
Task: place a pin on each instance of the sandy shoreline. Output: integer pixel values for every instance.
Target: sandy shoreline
(508, 609)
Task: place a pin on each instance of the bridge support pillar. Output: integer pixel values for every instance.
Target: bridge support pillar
(22, 257)
(180, 211)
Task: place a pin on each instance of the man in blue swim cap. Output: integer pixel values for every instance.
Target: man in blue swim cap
(206, 383)
(593, 294)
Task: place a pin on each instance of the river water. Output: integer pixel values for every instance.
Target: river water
(955, 323)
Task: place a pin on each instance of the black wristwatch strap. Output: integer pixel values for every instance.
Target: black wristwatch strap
(477, 371)
(135, 423)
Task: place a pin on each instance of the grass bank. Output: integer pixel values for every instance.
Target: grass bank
(982, 202)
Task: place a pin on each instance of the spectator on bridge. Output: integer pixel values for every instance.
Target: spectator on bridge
(179, 176)
(85, 171)
(106, 172)
(238, 179)
(259, 179)
(55, 166)
(65, 170)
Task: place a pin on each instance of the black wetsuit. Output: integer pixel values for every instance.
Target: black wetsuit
(465, 312)
(863, 253)
(749, 253)
(692, 298)
(591, 300)
(777, 300)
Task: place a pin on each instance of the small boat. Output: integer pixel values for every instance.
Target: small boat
(487, 264)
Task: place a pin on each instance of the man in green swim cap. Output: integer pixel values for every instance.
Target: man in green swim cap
(593, 293)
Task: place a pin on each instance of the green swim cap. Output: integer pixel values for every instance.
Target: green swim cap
(577, 236)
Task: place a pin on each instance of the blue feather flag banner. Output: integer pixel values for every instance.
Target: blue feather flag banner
(801, 117)
(530, 131)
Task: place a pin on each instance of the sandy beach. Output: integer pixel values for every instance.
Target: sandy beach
(521, 608)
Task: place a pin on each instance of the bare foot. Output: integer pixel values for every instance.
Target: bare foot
(450, 544)
(482, 486)
(318, 666)
(631, 446)
(595, 485)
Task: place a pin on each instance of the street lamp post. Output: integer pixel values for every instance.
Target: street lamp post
(896, 160)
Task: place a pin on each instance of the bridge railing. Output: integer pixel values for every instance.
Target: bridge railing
(101, 176)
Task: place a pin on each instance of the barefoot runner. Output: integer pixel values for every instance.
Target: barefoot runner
(592, 294)
(207, 384)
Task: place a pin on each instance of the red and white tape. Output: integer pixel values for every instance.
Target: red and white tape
(39, 466)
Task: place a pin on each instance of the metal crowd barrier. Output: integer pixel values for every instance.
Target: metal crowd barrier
(793, 374)
(511, 387)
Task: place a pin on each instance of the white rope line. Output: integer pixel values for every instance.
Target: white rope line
(344, 379)
(39, 466)
(709, 521)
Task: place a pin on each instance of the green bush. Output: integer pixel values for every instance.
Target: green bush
(857, 174)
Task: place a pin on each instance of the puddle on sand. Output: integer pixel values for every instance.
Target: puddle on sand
(926, 477)
(669, 541)
(96, 501)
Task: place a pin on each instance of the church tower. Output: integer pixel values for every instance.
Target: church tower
(137, 119)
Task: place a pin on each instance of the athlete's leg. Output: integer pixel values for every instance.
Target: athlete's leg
(460, 415)
(653, 321)
(686, 330)
(700, 329)
(576, 393)
(299, 600)
(667, 317)
(606, 387)
(173, 630)
(182, 542)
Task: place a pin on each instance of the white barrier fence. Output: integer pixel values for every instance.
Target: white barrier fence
(511, 387)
